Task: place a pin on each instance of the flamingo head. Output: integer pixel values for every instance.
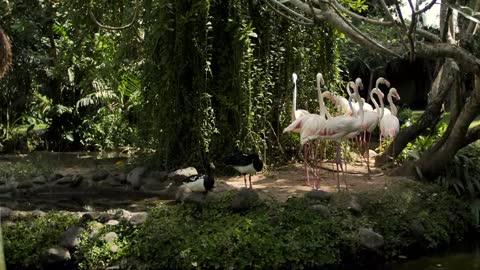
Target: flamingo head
(395, 93)
(320, 79)
(382, 80)
(294, 75)
(359, 83)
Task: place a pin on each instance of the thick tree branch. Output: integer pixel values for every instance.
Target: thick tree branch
(464, 58)
(306, 22)
(291, 12)
(427, 7)
(473, 134)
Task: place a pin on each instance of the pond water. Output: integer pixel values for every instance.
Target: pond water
(458, 257)
(81, 203)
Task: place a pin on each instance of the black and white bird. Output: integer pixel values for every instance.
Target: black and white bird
(200, 182)
(245, 164)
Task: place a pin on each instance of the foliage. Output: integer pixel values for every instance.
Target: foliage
(414, 149)
(94, 252)
(462, 173)
(26, 241)
(219, 77)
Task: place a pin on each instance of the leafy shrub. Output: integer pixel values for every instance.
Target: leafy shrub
(94, 252)
(27, 240)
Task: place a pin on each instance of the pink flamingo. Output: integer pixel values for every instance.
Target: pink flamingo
(389, 124)
(308, 125)
(338, 127)
(296, 113)
(371, 121)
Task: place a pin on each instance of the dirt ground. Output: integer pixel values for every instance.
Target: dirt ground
(290, 180)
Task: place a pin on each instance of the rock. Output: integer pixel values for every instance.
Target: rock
(25, 184)
(417, 228)
(57, 254)
(39, 180)
(183, 195)
(111, 182)
(104, 217)
(38, 213)
(319, 195)
(95, 228)
(122, 214)
(134, 178)
(88, 216)
(138, 218)
(112, 222)
(18, 215)
(179, 175)
(54, 177)
(4, 212)
(66, 180)
(354, 207)
(120, 178)
(6, 188)
(110, 237)
(244, 199)
(100, 175)
(322, 210)
(370, 239)
(157, 176)
(71, 237)
(3, 180)
(114, 248)
(76, 180)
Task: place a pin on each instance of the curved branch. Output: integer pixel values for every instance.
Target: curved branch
(5, 52)
(355, 16)
(134, 18)
(464, 58)
(309, 22)
(292, 12)
(427, 7)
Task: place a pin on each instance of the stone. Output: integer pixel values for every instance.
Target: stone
(57, 254)
(319, 195)
(138, 218)
(66, 180)
(322, 210)
(354, 207)
(370, 239)
(25, 184)
(18, 215)
(54, 177)
(38, 213)
(244, 199)
(179, 175)
(114, 248)
(71, 237)
(110, 237)
(95, 228)
(3, 180)
(119, 177)
(39, 180)
(134, 177)
(5, 212)
(76, 180)
(157, 176)
(100, 175)
(111, 182)
(112, 222)
(104, 217)
(88, 216)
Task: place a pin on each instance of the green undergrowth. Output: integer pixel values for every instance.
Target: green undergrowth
(412, 217)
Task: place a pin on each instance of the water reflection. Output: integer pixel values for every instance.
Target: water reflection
(462, 257)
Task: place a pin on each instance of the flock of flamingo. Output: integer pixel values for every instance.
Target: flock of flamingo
(352, 119)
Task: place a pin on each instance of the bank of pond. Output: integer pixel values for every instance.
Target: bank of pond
(238, 229)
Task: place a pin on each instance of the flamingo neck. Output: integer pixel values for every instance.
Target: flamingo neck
(294, 103)
(393, 108)
(380, 111)
(321, 104)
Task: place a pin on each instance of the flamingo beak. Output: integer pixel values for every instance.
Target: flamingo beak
(382, 94)
(398, 97)
(387, 83)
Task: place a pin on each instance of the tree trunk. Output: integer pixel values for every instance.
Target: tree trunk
(431, 163)
(430, 116)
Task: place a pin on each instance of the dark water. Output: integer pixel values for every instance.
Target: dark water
(459, 257)
(81, 203)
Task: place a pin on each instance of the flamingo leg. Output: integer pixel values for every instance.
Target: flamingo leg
(245, 180)
(305, 161)
(250, 180)
(381, 148)
(368, 151)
